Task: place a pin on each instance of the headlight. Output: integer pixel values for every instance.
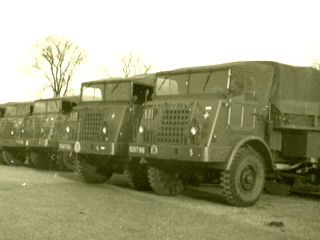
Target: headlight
(104, 130)
(140, 129)
(193, 131)
(67, 129)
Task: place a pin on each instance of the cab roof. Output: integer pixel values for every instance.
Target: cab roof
(75, 99)
(143, 79)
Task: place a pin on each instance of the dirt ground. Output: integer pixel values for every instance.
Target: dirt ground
(38, 204)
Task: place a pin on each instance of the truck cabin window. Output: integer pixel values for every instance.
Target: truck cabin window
(118, 91)
(209, 82)
(241, 85)
(40, 107)
(92, 93)
(54, 106)
(23, 109)
(142, 93)
(10, 111)
(172, 85)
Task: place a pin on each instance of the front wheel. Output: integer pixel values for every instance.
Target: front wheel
(8, 158)
(91, 170)
(137, 175)
(66, 161)
(39, 159)
(166, 184)
(243, 183)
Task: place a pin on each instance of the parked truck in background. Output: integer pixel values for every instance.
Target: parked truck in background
(12, 131)
(239, 125)
(43, 130)
(103, 124)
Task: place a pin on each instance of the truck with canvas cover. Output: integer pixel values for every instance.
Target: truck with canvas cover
(237, 124)
(44, 128)
(12, 131)
(102, 125)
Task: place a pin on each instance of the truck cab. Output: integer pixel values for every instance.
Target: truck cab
(231, 124)
(43, 128)
(12, 131)
(105, 121)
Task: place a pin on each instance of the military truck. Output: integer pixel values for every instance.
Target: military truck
(102, 125)
(237, 125)
(44, 128)
(12, 131)
(2, 111)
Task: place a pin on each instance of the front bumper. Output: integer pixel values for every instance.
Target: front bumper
(96, 148)
(12, 143)
(39, 143)
(182, 153)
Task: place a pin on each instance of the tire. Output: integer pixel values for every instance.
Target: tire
(91, 172)
(9, 159)
(66, 161)
(137, 175)
(243, 183)
(2, 162)
(166, 184)
(39, 159)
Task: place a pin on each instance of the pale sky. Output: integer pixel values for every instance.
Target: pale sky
(171, 34)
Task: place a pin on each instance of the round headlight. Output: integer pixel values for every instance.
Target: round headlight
(193, 131)
(140, 129)
(104, 130)
(67, 129)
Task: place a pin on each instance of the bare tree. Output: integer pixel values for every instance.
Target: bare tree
(314, 60)
(130, 65)
(57, 59)
(30, 95)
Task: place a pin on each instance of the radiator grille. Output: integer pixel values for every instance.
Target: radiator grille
(167, 123)
(91, 121)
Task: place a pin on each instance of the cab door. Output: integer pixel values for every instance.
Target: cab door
(243, 104)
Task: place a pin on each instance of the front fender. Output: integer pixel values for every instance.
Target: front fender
(257, 144)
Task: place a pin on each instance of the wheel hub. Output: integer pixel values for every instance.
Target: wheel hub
(248, 178)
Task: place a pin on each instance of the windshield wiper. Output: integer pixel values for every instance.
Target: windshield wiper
(205, 85)
(115, 87)
(163, 82)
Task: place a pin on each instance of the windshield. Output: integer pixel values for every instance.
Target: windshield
(92, 93)
(54, 106)
(209, 82)
(23, 109)
(17, 110)
(10, 111)
(118, 91)
(39, 107)
(172, 85)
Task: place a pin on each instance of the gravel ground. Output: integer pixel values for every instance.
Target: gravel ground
(39, 204)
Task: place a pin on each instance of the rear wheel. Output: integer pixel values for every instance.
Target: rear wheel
(167, 184)
(92, 171)
(8, 158)
(66, 161)
(39, 159)
(137, 175)
(243, 183)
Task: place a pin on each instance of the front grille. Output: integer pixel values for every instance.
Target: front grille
(7, 128)
(167, 123)
(91, 121)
